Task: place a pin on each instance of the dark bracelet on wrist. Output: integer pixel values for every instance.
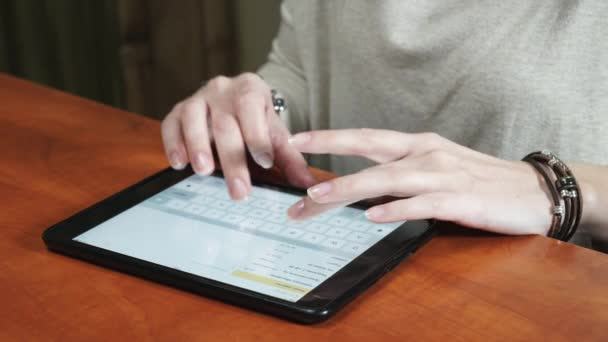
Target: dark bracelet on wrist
(565, 193)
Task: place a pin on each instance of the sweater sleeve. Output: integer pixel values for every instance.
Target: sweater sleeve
(284, 72)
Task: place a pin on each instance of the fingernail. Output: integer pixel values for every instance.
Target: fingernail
(299, 139)
(319, 190)
(263, 159)
(239, 190)
(296, 209)
(201, 163)
(176, 161)
(374, 213)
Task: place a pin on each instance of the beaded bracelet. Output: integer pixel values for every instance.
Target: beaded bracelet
(566, 195)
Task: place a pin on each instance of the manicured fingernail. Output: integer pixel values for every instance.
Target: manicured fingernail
(263, 159)
(319, 190)
(296, 209)
(176, 161)
(239, 190)
(201, 163)
(299, 139)
(374, 213)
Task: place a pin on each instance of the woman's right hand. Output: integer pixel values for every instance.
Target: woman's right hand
(237, 113)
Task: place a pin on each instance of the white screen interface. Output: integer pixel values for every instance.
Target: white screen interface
(194, 227)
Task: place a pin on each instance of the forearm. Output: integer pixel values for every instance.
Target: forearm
(593, 180)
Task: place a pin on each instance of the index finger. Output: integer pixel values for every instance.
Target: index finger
(375, 144)
(380, 145)
(306, 208)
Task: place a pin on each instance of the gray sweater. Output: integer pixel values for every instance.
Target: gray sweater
(502, 77)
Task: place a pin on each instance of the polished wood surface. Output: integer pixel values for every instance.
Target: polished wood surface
(60, 154)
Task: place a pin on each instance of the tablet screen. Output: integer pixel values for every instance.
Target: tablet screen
(194, 227)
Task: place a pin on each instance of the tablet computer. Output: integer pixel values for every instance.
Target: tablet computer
(183, 230)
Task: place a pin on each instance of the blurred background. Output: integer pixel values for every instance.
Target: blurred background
(138, 55)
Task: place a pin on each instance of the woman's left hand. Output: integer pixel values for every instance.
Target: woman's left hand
(436, 178)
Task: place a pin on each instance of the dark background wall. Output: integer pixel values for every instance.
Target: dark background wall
(140, 55)
(70, 45)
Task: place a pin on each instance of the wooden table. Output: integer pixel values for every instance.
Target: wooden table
(60, 154)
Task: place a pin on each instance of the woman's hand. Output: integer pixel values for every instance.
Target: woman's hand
(436, 178)
(237, 113)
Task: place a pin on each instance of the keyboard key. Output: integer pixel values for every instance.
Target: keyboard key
(292, 232)
(352, 213)
(260, 203)
(258, 213)
(180, 194)
(317, 227)
(239, 208)
(198, 179)
(187, 185)
(360, 226)
(176, 204)
(359, 237)
(206, 190)
(333, 243)
(277, 217)
(231, 218)
(278, 207)
(214, 182)
(222, 194)
(339, 221)
(203, 200)
(298, 223)
(271, 228)
(337, 232)
(354, 248)
(194, 209)
(321, 217)
(158, 199)
(223, 205)
(312, 238)
(214, 214)
(251, 223)
(268, 194)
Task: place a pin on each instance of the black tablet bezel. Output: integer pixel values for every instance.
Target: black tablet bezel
(316, 306)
